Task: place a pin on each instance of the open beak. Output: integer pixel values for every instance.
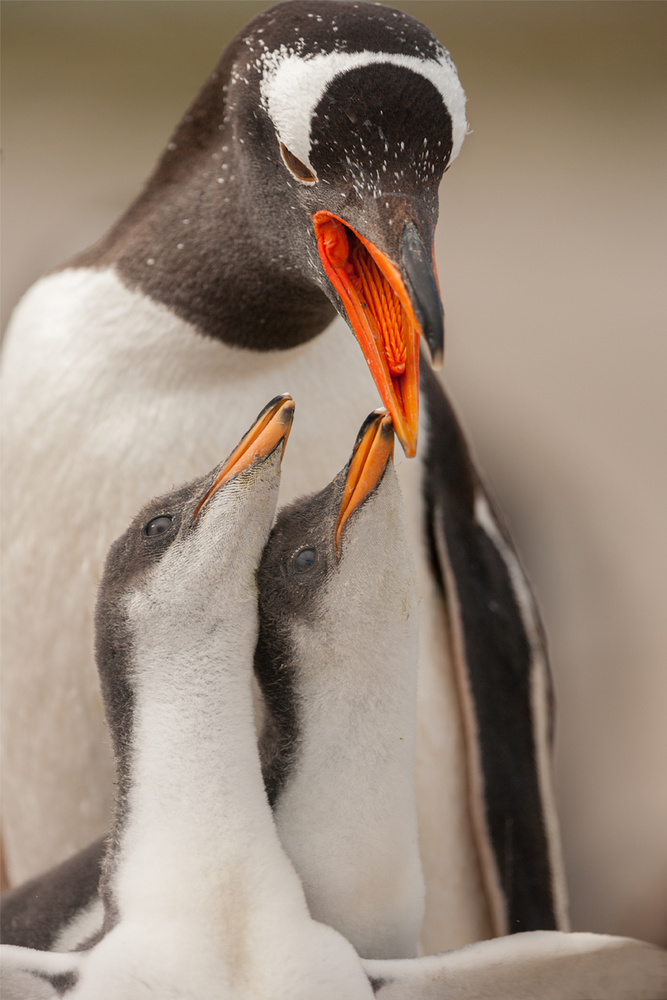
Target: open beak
(373, 449)
(270, 431)
(387, 312)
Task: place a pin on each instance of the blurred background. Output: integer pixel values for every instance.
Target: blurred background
(552, 255)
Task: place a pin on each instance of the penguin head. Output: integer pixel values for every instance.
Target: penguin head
(337, 571)
(354, 111)
(187, 563)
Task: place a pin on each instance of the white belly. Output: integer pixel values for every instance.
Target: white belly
(110, 400)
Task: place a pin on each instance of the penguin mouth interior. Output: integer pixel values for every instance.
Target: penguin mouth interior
(374, 448)
(380, 312)
(270, 429)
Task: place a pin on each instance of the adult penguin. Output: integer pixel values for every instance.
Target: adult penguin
(303, 180)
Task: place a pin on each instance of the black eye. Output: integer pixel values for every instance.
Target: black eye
(305, 560)
(298, 168)
(158, 525)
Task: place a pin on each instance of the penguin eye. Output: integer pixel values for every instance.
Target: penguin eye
(305, 560)
(158, 525)
(299, 169)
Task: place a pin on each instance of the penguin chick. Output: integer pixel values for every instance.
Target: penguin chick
(337, 662)
(200, 901)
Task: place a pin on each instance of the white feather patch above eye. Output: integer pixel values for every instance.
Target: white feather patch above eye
(292, 86)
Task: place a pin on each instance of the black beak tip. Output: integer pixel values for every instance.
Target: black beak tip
(287, 412)
(418, 269)
(386, 430)
(274, 404)
(373, 418)
(437, 357)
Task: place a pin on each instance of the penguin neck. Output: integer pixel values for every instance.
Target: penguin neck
(346, 812)
(356, 701)
(192, 800)
(208, 235)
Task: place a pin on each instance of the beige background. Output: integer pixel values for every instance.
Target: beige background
(552, 258)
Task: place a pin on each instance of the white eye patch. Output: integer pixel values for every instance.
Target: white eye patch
(292, 86)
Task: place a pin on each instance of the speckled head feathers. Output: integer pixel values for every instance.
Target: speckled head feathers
(329, 41)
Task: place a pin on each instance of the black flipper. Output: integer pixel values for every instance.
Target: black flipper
(34, 913)
(499, 650)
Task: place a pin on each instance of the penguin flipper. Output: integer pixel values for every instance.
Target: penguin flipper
(551, 965)
(501, 664)
(29, 974)
(39, 912)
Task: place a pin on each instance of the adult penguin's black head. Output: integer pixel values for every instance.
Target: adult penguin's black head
(368, 112)
(306, 175)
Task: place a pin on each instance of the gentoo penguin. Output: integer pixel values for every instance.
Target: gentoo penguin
(302, 182)
(337, 663)
(200, 901)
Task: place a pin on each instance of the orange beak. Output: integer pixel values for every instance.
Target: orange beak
(381, 313)
(270, 429)
(372, 451)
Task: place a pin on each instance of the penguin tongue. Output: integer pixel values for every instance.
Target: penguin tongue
(381, 315)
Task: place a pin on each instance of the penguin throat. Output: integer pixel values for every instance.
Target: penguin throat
(380, 313)
(357, 269)
(386, 314)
